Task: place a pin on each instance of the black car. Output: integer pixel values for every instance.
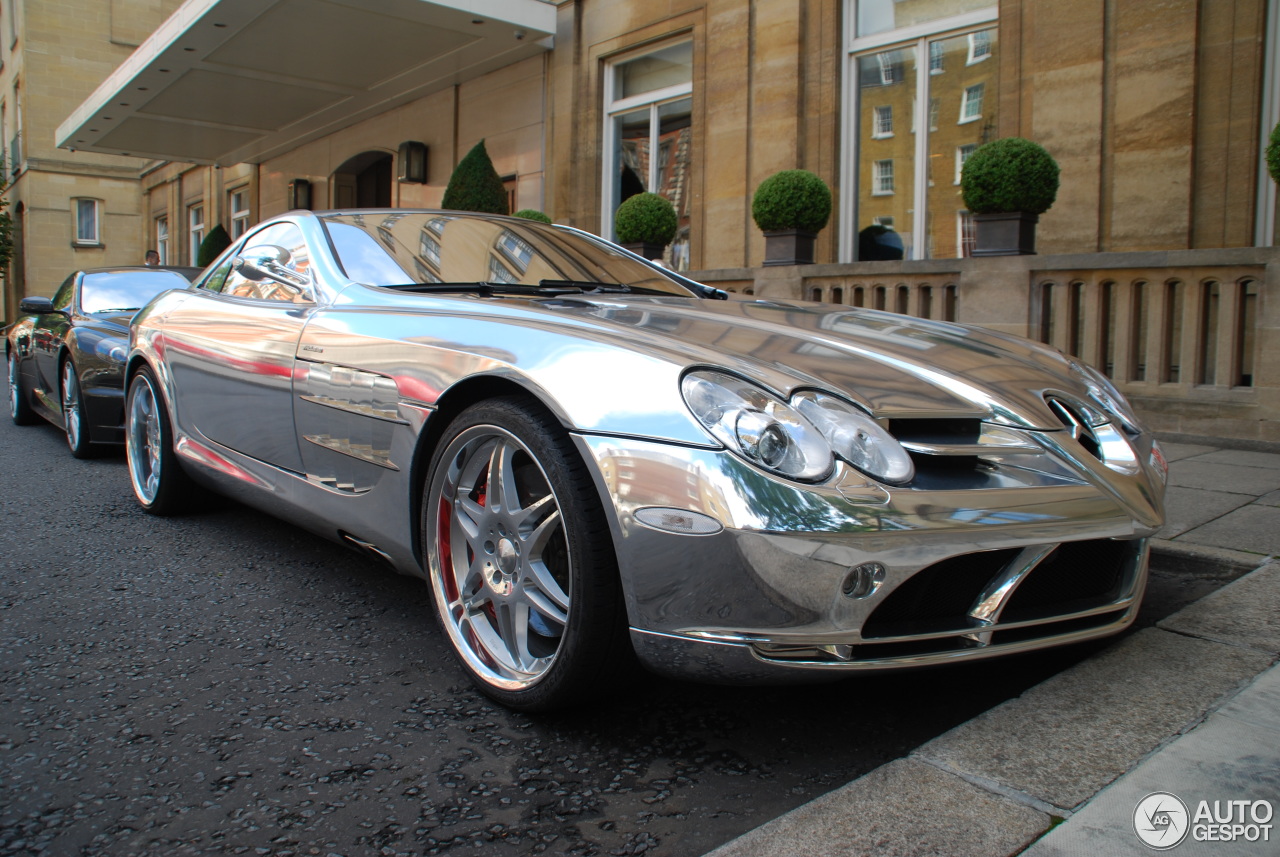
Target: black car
(66, 355)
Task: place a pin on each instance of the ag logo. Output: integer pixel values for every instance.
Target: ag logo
(1161, 820)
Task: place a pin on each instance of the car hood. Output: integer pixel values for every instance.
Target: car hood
(893, 365)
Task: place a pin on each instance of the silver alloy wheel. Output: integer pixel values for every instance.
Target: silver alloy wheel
(15, 402)
(71, 404)
(500, 565)
(143, 439)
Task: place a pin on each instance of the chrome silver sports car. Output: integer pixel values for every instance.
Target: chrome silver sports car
(586, 454)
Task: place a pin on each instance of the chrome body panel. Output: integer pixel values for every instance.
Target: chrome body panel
(321, 412)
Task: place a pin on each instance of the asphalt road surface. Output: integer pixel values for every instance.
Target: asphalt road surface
(224, 683)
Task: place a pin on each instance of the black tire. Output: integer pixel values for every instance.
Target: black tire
(73, 412)
(20, 410)
(528, 593)
(159, 482)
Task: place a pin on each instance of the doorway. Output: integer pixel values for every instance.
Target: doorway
(363, 181)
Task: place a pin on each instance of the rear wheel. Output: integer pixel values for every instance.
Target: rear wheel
(521, 563)
(159, 482)
(73, 413)
(20, 410)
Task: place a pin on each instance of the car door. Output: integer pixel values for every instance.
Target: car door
(46, 338)
(231, 346)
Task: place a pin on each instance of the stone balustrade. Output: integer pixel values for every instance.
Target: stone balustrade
(1188, 335)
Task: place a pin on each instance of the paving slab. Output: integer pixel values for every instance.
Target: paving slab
(1178, 451)
(1236, 478)
(1234, 755)
(1241, 457)
(1245, 612)
(1272, 499)
(1252, 527)
(906, 808)
(1188, 508)
(1067, 738)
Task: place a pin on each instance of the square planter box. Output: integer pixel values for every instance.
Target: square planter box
(645, 249)
(789, 247)
(1010, 233)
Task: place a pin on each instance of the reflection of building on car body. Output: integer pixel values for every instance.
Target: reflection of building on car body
(583, 452)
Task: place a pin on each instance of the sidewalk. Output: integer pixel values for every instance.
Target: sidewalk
(1190, 707)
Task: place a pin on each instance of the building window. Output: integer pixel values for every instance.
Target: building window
(966, 235)
(971, 103)
(195, 220)
(979, 46)
(162, 239)
(649, 145)
(884, 122)
(87, 213)
(962, 155)
(936, 54)
(882, 177)
(239, 208)
(895, 42)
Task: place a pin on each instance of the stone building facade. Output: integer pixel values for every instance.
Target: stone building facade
(1155, 109)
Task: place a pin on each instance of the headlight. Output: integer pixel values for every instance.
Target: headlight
(856, 437)
(1105, 394)
(759, 427)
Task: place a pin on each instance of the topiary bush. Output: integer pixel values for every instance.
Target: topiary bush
(647, 218)
(792, 199)
(474, 185)
(1273, 154)
(212, 246)
(532, 214)
(1007, 175)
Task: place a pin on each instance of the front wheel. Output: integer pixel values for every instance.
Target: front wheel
(73, 413)
(159, 482)
(20, 410)
(521, 563)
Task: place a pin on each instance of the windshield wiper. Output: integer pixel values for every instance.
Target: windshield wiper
(545, 288)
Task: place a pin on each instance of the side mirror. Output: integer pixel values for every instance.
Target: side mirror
(35, 305)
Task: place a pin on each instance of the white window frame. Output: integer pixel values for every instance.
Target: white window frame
(965, 233)
(884, 220)
(195, 230)
(79, 240)
(614, 107)
(883, 120)
(936, 57)
(1264, 235)
(968, 102)
(882, 177)
(239, 216)
(962, 154)
(979, 47)
(162, 239)
(917, 36)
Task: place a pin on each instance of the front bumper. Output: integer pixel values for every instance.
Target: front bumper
(1008, 560)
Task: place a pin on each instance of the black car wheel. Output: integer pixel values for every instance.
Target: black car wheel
(20, 409)
(159, 482)
(73, 413)
(521, 563)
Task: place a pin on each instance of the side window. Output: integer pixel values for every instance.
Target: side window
(62, 298)
(277, 268)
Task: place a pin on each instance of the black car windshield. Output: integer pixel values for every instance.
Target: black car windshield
(126, 290)
(405, 249)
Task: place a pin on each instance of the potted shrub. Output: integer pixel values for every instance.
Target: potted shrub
(1007, 184)
(645, 224)
(532, 214)
(475, 185)
(212, 246)
(791, 207)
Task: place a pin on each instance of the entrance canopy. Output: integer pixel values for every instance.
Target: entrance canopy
(232, 81)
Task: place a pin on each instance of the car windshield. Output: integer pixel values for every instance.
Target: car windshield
(436, 249)
(126, 290)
